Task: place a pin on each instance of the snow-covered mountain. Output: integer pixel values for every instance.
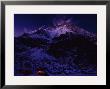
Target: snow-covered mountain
(51, 32)
(62, 49)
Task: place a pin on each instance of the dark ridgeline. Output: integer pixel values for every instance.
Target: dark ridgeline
(62, 49)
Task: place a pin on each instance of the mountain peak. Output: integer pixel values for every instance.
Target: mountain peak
(61, 26)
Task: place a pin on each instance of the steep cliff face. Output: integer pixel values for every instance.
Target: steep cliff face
(60, 50)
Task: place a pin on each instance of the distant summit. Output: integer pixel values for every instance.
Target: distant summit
(60, 27)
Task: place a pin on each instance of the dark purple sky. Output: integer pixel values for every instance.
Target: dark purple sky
(32, 21)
